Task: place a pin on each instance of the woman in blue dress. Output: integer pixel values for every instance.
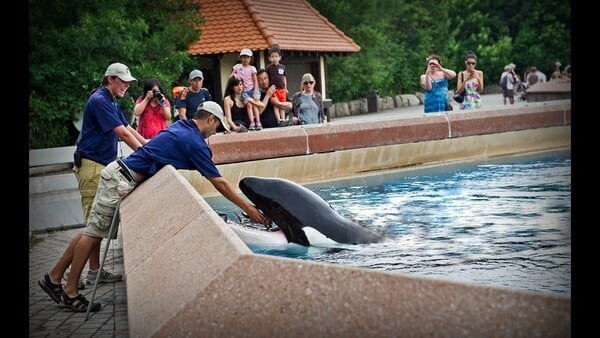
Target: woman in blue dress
(435, 84)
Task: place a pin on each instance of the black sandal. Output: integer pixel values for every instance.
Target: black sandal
(79, 303)
(53, 290)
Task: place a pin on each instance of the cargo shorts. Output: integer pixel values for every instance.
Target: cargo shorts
(112, 186)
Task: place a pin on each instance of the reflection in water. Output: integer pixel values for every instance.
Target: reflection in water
(502, 222)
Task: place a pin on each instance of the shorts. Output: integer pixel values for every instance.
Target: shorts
(508, 93)
(112, 186)
(280, 95)
(87, 176)
(248, 95)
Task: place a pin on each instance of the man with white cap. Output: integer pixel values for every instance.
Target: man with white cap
(190, 97)
(183, 145)
(103, 125)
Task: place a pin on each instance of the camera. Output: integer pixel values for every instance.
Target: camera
(159, 96)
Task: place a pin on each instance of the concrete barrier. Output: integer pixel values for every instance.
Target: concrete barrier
(189, 275)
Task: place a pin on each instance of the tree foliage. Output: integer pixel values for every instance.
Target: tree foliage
(397, 35)
(72, 42)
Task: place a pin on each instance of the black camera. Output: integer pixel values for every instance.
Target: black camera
(159, 96)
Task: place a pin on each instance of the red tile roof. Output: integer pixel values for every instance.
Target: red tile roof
(232, 25)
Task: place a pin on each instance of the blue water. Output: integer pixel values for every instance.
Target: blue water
(500, 222)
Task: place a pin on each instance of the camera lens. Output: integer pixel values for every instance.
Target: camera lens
(157, 94)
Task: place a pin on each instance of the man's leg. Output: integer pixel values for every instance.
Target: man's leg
(88, 177)
(81, 253)
(51, 282)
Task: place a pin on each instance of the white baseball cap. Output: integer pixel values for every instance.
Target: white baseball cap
(121, 71)
(246, 52)
(215, 109)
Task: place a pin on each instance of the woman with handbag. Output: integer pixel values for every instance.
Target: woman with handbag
(435, 84)
(471, 81)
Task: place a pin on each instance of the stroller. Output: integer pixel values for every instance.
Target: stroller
(521, 89)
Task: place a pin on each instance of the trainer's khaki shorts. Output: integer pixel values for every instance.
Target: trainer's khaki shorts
(111, 187)
(87, 176)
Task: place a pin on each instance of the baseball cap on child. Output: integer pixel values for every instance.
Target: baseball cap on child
(121, 71)
(196, 73)
(246, 52)
(215, 109)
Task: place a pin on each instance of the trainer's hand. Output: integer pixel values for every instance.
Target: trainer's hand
(258, 217)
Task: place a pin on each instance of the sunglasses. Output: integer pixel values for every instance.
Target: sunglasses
(306, 83)
(471, 63)
(432, 64)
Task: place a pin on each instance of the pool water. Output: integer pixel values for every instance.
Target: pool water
(499, 222)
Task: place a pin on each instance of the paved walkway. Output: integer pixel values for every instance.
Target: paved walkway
(47, 319)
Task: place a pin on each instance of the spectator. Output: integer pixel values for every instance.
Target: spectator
(508, 81)
(566, 74)
(278, 77)
(471, 80)
(435, 84)
(541, 77)
(502, 82)
(532, 77)
(557, 74)
(236, 114)
(183, 145)
(267, 115)
(247, 73)
(152, 108)
(103, 125)
(190, 97)
(307, 104)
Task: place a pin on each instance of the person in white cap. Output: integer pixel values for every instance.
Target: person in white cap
(190, 97)
(104, 124)
(183, 145)
(246, 72)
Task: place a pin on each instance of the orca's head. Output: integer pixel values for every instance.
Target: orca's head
(271, 195)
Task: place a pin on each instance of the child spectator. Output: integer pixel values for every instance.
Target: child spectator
(247, 73)
(277, 77)
(152, 108)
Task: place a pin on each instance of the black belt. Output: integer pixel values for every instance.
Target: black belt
(125, 172)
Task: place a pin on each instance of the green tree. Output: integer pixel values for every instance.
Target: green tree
(397, 35)
(71, 44)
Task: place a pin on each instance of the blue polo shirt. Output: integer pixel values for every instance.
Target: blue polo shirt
(180, 145)
(102, 114)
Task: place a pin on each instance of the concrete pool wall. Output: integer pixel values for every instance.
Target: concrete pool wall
(188, 274)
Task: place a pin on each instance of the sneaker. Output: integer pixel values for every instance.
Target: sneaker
(252, 126)
(284, 123)
(258, 126)
(80, 285)
(105, 277)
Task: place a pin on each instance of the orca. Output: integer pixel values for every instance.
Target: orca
(304, 217)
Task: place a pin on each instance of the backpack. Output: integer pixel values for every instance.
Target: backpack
(503, 82)
(178, 93)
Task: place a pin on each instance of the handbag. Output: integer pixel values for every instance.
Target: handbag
(460, 97)
(449, 106)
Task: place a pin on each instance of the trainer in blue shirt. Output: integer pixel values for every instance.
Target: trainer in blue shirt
(182, 145)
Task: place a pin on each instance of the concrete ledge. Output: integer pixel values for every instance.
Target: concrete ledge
(309, 139)
(188, 274)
